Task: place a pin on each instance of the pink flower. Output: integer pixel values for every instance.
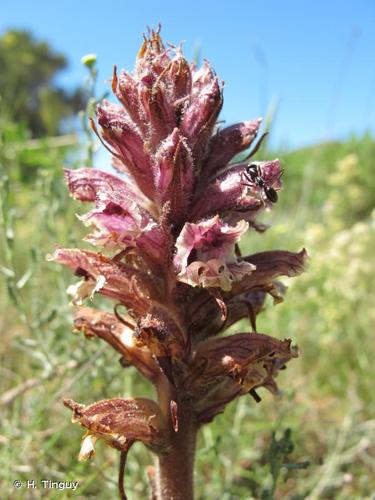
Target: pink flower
(169, 227)
(205, 254)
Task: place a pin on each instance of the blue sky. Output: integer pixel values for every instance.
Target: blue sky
(316, 58)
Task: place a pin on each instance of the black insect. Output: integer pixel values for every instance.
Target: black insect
(253, 174)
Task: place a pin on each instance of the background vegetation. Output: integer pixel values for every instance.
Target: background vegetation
(315, 441)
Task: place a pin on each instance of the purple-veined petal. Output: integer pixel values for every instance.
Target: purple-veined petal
(125, 231)
(227, 143)
(202, 78)
(174, 173)
(119, 219)
(225, 193)
(159, 110)
(125, 87)
(117, 280)
(269, 266)
(211, 238)
(203, 106)
(112, 230)
(90, 184)
(201, 111)
(214, 273)
(230, 191)
(205, 254)
(127, 142)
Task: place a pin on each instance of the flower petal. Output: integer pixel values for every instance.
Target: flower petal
(225, 368)
(211, 238)
(174, 173)
(161, 332)
(239, 356)
(125, 88)
(230, 192)
(120, 422)
(158, 107)
(127, 142)
(227, 143)
(87, 447)
(94, 323)
(122, 282)
(216, 400)
(269, 265)
(120, 218)
(211, 244)
(179, 77)
(115, 228)
(214, 273)
(90, 184)
(200, 115)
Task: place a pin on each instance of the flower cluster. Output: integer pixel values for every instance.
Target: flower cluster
(169, 226)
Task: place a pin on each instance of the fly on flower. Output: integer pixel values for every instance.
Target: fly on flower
(253, 174)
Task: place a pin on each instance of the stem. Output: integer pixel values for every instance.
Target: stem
(176, 468)
(121, 475)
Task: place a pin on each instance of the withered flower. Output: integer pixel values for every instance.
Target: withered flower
(168, 227)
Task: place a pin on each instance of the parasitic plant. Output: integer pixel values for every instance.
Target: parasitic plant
(169, 227)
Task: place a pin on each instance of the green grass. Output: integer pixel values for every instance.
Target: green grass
(327, 206)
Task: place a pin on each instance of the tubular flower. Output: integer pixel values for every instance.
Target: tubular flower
(209, 246)
(168, 227)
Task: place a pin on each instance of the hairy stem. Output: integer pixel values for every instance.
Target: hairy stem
(176, 468)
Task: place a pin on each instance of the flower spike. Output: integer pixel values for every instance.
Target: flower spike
(166, 232)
